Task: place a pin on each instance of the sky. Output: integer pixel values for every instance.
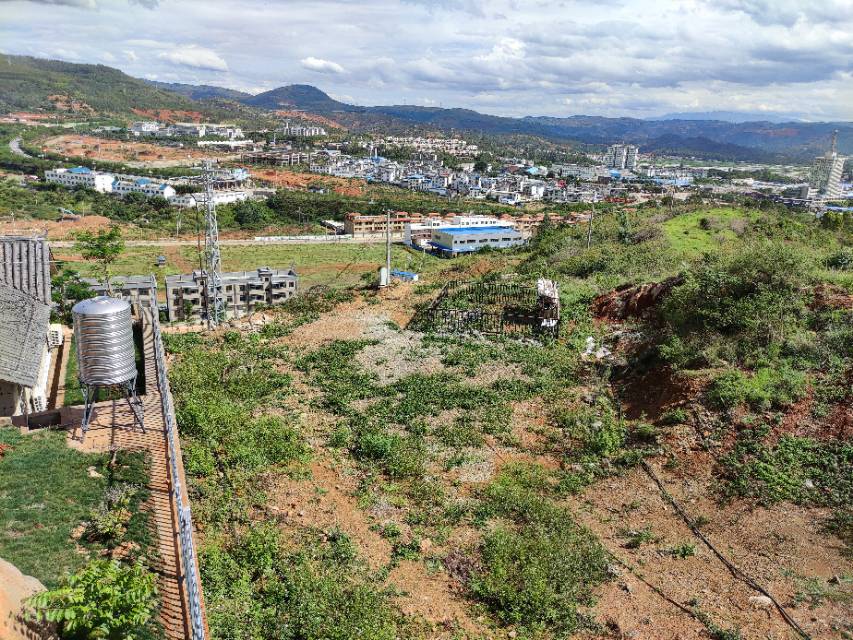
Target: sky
(634, 58)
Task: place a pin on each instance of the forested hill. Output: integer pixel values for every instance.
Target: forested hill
(28, 83)
(31, 83)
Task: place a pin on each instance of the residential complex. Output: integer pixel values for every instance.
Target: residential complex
(185, 130)
(302, 130)
(139, 291)
(450, 146)
(621, 156)
(81, 177)
(825, 176)
(243, 292)
(122, 185)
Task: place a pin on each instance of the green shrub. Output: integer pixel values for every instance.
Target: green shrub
(675, 416)
(538, 575)
(753, 297)
(597, 428)
(108, 523)
(105, 599)
(683, 550)
(841, 259)
(768, 387)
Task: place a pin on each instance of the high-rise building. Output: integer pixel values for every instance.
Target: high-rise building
(825, 176)
(621, 156)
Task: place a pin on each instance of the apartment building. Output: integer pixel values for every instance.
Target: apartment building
(621, 156)
(145, 186)
(198, 199)
(358, 224)
(243, 292)
(137, 290)
(144, 128)
(81, 177)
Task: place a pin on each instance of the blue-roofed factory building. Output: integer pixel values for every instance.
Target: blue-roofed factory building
(452, 241)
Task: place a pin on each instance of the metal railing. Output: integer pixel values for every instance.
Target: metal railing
(191, 580)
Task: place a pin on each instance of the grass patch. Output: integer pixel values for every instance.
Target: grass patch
(698, 232)
(46, 492)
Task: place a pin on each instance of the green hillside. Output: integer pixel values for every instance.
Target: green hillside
(26, 83)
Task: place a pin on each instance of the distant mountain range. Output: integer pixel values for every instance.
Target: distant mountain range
(732, 116)
(26, 83)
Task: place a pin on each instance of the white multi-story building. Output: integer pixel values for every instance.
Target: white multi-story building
(302, 130)
(198, 199)
(621, 156)
(145, 128)
(81, 177)
(825, 176)
(144, 186)
(420, 233)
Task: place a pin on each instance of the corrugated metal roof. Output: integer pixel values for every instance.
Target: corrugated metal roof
(23, 330)
(25, 265)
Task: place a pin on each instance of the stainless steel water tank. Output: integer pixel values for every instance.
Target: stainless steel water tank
(103, 332)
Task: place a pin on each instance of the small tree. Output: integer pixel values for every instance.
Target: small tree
(105, 599)
(68, 289)
(104, 248)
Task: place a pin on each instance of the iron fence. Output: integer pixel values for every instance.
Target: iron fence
(496, 308)
(191, 579)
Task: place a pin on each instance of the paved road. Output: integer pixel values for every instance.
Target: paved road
(293, 240)
(15, 147)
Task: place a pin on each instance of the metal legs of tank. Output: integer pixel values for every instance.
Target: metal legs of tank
(90, 396)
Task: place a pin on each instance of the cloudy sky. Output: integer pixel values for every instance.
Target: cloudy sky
(634, 58)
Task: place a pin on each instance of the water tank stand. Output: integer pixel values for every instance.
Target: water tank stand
(90, 395)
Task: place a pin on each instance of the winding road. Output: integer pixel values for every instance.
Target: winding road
(15, 147)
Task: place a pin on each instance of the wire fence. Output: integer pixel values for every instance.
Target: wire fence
(495, 308)
(191, 579)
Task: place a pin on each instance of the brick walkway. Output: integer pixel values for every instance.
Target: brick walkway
(112, 427)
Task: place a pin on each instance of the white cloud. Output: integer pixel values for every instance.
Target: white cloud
(80, 4)
(509, 57)
(321, 66)
(195, 57)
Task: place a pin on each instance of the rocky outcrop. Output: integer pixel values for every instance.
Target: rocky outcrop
(632, 301)
(15, 587)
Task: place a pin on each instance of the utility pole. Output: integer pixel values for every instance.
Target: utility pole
(212, 258)
(388, 242)
(589, 228)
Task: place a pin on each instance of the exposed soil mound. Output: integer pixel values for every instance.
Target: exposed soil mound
(632, 301)
(827, 296)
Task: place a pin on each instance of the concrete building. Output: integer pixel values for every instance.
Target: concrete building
(145, 186)
(140, 290)
(198, 199)
(144, 128)
(27, 340)
(302, 130)
(456, 240)
(358, 224)
(420, 233)
(825, 176)
(243, 291)
(81, 177)
(621, 156)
